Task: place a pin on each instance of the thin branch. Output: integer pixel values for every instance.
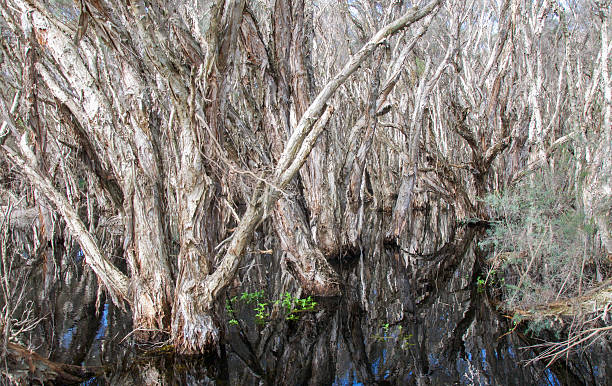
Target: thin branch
(293, 157)
(114, 280)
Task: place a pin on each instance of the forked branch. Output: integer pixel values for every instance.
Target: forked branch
(296, 151)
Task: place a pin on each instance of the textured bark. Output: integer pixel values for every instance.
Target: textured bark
(326, 132)
(194, 327)
(597, 191)
(114, 280)
(296, 150)
(304, 259)
(145, 242)
(27, 366)
(152, 285)
(293, 86)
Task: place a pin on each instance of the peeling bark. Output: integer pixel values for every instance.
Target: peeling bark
(198, 127)
(114, 280)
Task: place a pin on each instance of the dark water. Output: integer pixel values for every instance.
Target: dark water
(396, 323)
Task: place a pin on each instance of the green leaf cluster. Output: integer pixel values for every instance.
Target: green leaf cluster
(290, 306)
(394, 335)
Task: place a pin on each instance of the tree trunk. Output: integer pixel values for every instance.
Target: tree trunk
(200, 126)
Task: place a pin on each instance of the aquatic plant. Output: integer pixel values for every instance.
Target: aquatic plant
(395, 336)
(289, 306)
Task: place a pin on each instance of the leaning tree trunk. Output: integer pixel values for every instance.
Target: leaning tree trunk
(194, 122)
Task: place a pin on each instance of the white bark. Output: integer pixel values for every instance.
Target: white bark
(597, 192)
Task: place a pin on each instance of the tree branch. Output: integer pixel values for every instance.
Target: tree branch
(296, 151)
(114, 280)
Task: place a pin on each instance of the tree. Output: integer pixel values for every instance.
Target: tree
(198, 123)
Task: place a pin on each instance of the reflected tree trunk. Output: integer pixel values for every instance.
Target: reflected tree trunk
(215, 132)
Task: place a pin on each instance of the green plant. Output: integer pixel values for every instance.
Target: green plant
(293, 305)
(492, 280)
(480, 283)
(535, 327)
(386, 328)
(541, 243)
(252, 297)
(399, 337)
(262, 313)
(230, 310)
(290, 306)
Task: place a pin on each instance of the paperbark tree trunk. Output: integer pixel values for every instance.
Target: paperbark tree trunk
(200, 125)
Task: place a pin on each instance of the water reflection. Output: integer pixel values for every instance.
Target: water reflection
(395, 323)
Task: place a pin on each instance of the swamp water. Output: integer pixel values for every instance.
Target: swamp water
(392, 325)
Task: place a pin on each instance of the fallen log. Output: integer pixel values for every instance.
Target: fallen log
(21, 366)
(597, 300)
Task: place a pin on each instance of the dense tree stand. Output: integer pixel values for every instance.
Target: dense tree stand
(212, 133)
